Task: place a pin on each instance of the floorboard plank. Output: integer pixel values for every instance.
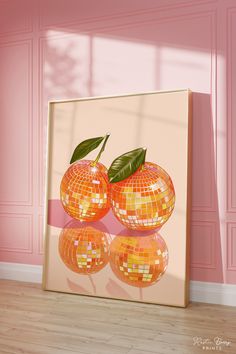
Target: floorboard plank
(33, 321)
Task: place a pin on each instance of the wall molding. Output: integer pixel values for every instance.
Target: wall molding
(24, 30)
(230, 249)
(40, 234)
(212, 235)
(29, 219)
(29, 48)
(212, 293)
(229, 48)
(123, 15)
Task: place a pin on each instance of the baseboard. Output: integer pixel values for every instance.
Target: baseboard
(212, 293)
(21, 272)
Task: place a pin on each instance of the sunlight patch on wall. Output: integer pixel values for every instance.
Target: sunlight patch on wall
(184, 68)
(123, 66)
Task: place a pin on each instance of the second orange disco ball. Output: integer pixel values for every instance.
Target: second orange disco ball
(145, 200)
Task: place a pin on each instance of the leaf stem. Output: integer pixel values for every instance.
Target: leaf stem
(144, 158)
(102, 149)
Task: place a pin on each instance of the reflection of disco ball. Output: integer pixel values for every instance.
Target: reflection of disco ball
(84, 249)
(145, 200)
(84, 191)
(139, 260)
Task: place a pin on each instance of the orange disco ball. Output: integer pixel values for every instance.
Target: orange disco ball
(84, 191)
(84, 249)
(139, 261)
(145, 200)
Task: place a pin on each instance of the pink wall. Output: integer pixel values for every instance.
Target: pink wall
(75, 48)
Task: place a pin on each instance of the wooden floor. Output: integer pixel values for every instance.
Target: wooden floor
(39, 322)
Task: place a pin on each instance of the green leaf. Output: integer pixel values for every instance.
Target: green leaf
(85, 147)
(126, 164)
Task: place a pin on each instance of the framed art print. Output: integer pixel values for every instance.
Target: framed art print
(119, 196)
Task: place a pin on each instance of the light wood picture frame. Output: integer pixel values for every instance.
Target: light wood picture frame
(104, 257)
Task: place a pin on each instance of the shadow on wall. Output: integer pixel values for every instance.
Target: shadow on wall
(206, 251)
